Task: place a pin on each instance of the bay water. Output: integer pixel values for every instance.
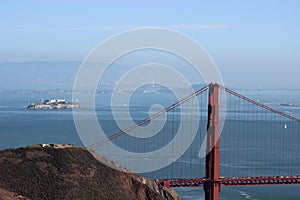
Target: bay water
(22, 127)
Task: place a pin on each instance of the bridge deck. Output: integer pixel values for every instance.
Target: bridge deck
(234, 181)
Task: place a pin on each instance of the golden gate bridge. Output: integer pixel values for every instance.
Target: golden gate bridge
(259, 145)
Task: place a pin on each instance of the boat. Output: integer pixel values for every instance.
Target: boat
(291, 104)
(54, 104)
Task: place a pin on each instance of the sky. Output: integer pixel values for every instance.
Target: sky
(254, 43)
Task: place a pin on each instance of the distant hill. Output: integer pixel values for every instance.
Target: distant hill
(38, 75)
(70, 172)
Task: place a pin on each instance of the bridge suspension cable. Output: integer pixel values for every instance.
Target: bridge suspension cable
(148, 119)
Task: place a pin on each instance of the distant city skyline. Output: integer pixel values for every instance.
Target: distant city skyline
(254, 43)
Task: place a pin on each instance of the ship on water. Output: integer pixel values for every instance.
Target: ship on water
(291, 104)
(54, 104)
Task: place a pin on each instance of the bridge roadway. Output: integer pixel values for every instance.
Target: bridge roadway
(233, 181)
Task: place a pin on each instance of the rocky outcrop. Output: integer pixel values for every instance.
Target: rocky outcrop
(6, 195)
(70, 172)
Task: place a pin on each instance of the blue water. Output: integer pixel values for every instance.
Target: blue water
(22, 127)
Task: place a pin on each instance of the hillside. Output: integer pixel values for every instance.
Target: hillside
(70, 172)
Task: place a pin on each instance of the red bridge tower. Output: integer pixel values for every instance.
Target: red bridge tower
(212, 184)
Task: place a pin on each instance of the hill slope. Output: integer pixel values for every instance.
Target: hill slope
(69, 172)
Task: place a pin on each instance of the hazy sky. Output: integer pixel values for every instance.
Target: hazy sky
(256, 42)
